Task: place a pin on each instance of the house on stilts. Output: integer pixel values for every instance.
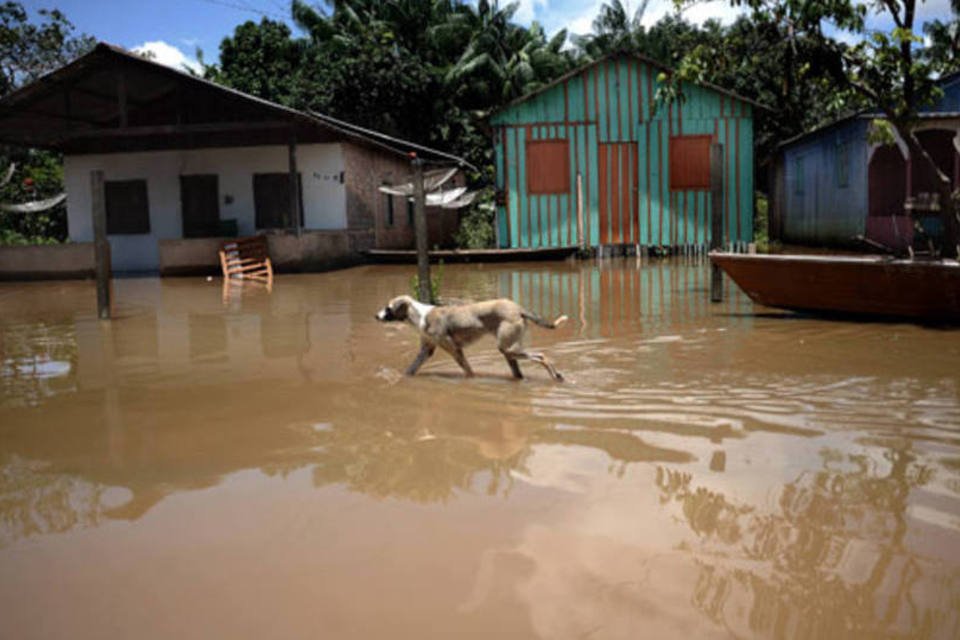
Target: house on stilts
(640, 167)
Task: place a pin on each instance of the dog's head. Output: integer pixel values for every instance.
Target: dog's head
(397, 310)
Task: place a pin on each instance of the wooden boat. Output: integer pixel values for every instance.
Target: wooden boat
(928, 291)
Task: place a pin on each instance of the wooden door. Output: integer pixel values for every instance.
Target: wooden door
(619, 204)
(200, 206)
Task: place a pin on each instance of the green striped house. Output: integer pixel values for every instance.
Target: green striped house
(643, 167)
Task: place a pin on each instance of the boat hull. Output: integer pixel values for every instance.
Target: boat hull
(867, 286)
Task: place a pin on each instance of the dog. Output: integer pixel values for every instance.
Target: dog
(453, 328)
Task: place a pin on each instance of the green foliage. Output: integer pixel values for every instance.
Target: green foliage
(27, 51)
(761, 223)
(30, 49)
(436, 279)
(39, 175)
(476, 223)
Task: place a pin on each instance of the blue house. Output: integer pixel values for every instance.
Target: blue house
(832, 185)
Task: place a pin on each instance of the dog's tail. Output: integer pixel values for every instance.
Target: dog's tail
(535, 319)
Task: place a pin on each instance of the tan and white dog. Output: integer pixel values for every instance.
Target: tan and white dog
(454, 327)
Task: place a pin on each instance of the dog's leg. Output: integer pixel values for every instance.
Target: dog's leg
(540, 359)
(514, 366)
(426, 350)
(461, 359)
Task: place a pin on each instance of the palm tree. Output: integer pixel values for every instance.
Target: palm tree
(502, 60)
(614, 30)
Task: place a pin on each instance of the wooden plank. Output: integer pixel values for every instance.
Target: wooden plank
(593, 184)
(604, 190)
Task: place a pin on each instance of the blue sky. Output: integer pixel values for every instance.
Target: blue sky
(173, 29)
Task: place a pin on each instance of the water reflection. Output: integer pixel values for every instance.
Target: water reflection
(784, 479)
(834, 558)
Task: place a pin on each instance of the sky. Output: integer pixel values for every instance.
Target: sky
(173, 29)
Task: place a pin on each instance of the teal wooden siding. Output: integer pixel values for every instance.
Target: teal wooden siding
(612, 103)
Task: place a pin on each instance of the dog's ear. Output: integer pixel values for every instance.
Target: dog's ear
(400, 308)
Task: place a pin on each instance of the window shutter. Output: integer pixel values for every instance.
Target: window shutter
(548, 166)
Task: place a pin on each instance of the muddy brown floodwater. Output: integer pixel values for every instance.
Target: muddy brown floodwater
(259, 467)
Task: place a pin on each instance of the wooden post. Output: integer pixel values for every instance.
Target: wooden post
(716, 218)
(294, 184)
(420, 229)
(580, 239)
(101, 247)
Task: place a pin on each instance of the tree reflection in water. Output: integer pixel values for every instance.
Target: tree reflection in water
(834, 559)
(34, 502)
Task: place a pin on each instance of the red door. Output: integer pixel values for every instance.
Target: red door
(618, 193)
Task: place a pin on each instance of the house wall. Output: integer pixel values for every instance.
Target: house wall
(47, 261)
(612, 103)
(816, 208)
(366, 171)
(320, 167)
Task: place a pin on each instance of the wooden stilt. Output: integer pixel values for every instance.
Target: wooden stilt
(101, 246)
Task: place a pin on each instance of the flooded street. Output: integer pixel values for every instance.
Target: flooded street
(257, 466)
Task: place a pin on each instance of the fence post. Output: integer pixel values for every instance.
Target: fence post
(101, 247)
(716, 218)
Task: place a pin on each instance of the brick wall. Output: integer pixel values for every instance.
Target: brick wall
(366, 170)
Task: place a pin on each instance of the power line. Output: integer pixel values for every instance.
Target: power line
(247, 8)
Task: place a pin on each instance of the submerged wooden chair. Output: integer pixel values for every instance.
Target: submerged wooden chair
(246, 259)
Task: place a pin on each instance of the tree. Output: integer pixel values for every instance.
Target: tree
(944, 37)
(260, 59)
(28, 50)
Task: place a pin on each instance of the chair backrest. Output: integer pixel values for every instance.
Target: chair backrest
(246, 258)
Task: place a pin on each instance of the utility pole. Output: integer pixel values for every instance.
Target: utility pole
(420, 229)
(716, 218)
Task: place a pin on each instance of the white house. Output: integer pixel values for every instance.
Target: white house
(186, 162)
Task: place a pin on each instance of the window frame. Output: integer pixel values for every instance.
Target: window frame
(799, 178)
(843, 164)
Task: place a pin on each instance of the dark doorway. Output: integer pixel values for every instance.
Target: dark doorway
(888, 182)
(939, 144)
(200, 206)
(271, 200)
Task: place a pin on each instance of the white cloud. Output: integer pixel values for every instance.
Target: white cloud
(167, 54)
(719, 10)
(528, 10)
(580, 23)
(577, 17)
